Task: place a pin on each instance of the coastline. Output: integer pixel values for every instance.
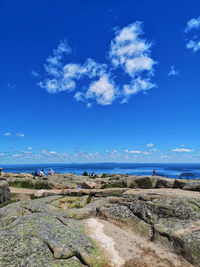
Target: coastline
(172, 170)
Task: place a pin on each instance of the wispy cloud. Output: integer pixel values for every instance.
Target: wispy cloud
(178, 149)
(193, 24)
(173, 72)
(150, 145)
(7, 134)
(153, 149)
(17, 155)
(35, 73)
(193, 44)
(27, 152)
(2, 154)
(21, 135)
(132, 151)
(137, 152)
(128, 52)
(52, 152)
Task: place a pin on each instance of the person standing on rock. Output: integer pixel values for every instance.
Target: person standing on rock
(154, 172)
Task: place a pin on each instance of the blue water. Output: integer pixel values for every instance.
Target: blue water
(191, 171)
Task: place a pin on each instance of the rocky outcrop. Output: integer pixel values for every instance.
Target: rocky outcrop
(4, 191)
(88, 185)
(72, 181)
(51, 231)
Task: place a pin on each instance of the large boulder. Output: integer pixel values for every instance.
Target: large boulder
(146, 181)
(180, 183)
(4, 191)
(192, 186)
(165, 183)
(88, 185)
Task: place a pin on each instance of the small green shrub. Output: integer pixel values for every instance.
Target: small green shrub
(85, 173)
(114, 185)
(104, 175)
(28, 184)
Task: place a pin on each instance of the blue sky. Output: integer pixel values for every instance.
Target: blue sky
(99, 81)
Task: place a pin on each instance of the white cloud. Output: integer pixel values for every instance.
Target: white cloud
(173, 72)
(79, 96)
(133, 151)
(153, 149)
(127, 50)
(193, 24)
(103, 91)
(27, 152)
(52, 152)
(29, 148)
(132, 53)
(21, 135)
(7, 134)
(146, 153)
(164, 156)
(150, 145)
(193, 44)
(2, 154)
(17, 155)
(135, 87)
(89, 105)
(181, 150)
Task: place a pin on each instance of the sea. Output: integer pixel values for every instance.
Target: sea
(185, 171)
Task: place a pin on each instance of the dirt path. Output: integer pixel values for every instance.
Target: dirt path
(127, 249)
(22, 190)
(18, 190)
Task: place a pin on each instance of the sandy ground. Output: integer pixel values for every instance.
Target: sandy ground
(124, 248)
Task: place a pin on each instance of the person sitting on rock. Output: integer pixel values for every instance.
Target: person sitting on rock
(51, 172)
(36, 173)
(42, 173)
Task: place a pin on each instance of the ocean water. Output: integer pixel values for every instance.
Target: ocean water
(191, 171)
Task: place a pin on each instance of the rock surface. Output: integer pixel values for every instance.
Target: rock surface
(87, 227)
(4, 191)
(71, 181)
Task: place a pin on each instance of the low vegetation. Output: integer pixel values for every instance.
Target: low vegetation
(28, 184)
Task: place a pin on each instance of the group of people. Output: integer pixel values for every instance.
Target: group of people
(42, 173)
